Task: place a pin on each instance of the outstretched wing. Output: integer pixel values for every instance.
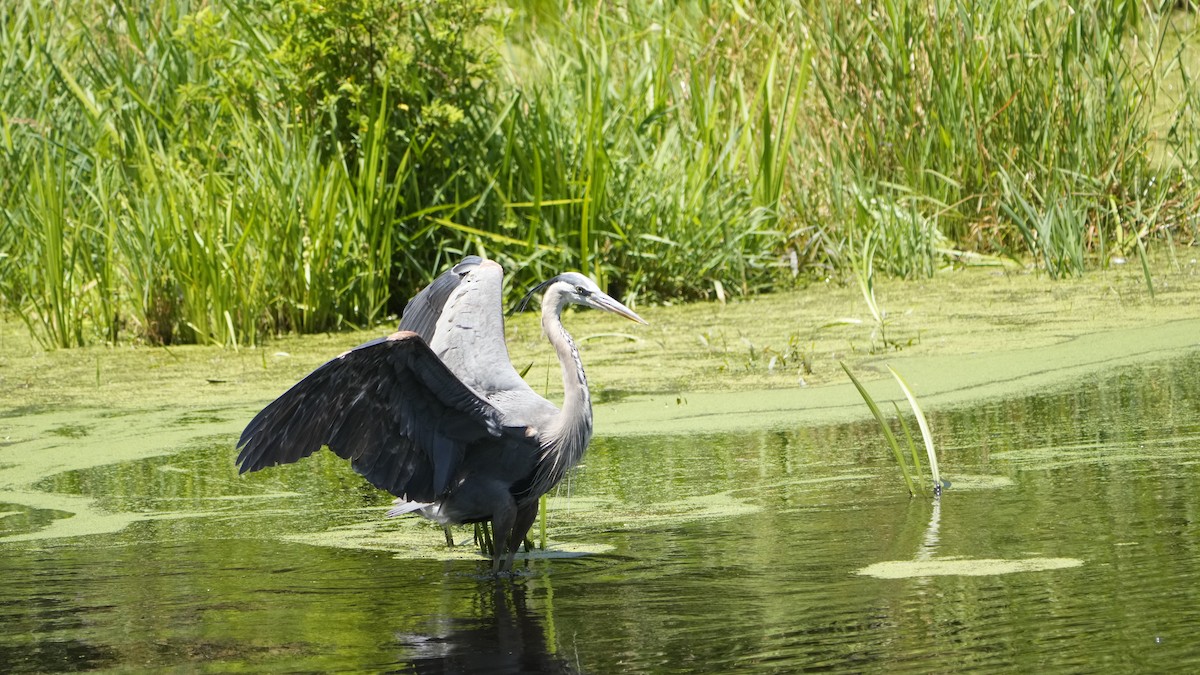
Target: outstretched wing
(422, 312)
(389, 406)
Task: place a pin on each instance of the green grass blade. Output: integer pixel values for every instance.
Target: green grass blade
(1141, 249)
(908, 439)
(887, 432)
(925, 433)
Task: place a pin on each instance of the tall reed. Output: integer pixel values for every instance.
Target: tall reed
(219, 171)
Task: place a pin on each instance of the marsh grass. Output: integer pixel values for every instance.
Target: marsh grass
(951, 102)
(179, 171)
(926, 434)
(910, 464)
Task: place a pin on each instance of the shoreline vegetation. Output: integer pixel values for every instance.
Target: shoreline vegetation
(224, 172)
(779, 351)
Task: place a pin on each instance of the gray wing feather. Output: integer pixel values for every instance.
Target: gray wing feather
(389, 406)
(422, 312)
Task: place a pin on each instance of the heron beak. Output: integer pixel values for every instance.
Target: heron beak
(608, 304)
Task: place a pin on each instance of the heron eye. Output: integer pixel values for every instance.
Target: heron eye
(583, 292)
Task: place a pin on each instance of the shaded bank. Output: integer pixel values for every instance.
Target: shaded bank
(943, 381)
(782, 341)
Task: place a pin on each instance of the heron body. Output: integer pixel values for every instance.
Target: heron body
(435, 413)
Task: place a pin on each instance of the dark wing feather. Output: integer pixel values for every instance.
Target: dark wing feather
(389, 406)
(422, 312)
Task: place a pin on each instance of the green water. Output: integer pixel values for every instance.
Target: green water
(1068, 541)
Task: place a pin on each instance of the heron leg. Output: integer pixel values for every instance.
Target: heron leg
(449, 538)
(526, 514)
(503, 520)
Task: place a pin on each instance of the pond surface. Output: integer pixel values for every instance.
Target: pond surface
(1067, 541)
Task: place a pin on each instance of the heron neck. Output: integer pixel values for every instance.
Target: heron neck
(575, 419)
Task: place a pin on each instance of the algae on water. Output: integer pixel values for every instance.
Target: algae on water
(973, 567)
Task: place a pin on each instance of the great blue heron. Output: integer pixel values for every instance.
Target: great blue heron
(435, 413)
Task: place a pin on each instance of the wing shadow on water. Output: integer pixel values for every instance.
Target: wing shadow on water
(506, 637)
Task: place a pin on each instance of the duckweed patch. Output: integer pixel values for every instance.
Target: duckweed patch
(960, 482)
(573, 521)
(970, 567)
(71, 431)
(421, 540)
(1058, 456)
(79, 516)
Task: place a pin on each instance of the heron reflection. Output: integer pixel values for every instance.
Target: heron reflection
(508, 637)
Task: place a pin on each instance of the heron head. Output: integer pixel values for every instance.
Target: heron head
(572, 288)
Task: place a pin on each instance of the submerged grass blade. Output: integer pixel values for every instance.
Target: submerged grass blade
(887, 432)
